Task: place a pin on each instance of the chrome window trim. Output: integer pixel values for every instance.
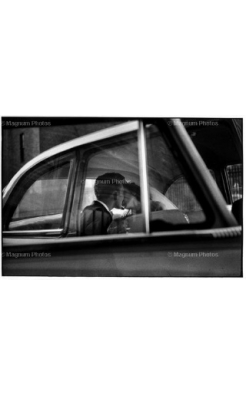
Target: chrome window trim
(234, 231)
(32, 232)
(143, 169)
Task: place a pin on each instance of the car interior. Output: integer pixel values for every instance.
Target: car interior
(220, 148)
(172, 201)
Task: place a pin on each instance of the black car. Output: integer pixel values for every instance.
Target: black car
(183, 178)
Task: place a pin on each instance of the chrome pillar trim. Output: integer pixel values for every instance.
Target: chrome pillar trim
(41, 232)
(143, 176)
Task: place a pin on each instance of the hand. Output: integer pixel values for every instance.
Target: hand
(119, 213)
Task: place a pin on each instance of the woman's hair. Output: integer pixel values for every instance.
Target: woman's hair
(133, 189)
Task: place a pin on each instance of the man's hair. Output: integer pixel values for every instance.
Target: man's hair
(107, 183)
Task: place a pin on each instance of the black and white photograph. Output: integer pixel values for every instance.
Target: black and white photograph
(122, 212)
(122, 197)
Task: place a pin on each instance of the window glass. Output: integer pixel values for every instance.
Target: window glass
(180, 193)
(108, 168)
(182, 196)
(89, 192)
(235, 176)
(41, 205)
(172, 201)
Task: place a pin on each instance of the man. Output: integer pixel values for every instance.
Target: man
(96, 218)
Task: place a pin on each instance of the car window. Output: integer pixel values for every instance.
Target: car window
(180, 193)
(41, 197)
(89, 192)
(172, 199)
(235, 176)
(106, 169)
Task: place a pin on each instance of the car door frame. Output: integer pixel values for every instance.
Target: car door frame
(59, 232)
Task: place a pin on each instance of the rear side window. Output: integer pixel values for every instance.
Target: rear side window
(40, 198)
(181, 195)
(46, 196)
(235, 177)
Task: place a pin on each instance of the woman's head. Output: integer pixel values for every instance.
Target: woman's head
(132, 198)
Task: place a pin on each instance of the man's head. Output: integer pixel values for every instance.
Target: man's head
(109, 188)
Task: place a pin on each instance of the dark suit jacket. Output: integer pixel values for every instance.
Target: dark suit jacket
(95, 220)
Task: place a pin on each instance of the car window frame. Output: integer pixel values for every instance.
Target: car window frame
(58, 232)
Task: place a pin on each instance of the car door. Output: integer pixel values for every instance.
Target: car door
(159, 240)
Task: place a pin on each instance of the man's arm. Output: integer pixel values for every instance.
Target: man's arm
(95, 221)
